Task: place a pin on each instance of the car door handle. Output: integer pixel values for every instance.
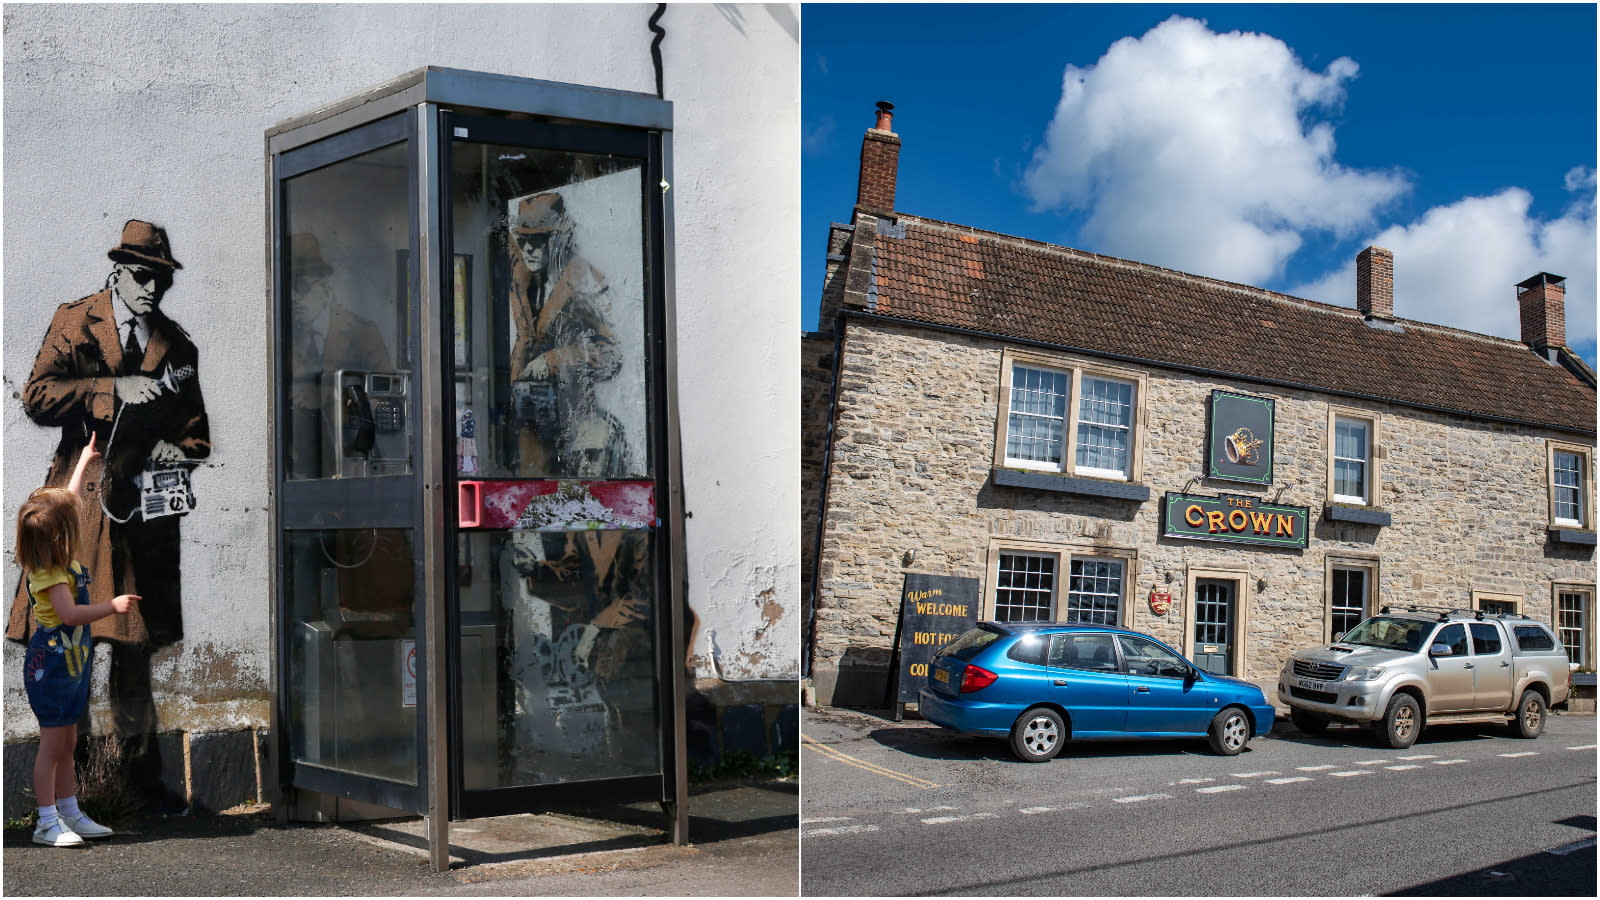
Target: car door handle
(1467, 666)
(1143, 690)
(1061, 682)
(1504, 664)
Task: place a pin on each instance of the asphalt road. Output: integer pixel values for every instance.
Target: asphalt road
(907, 809)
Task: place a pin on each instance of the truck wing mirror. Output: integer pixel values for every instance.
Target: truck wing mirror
(1440, 650)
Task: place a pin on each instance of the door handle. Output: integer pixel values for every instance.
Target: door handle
(1143, 690)
(1060, 682)
(1504, 664)
(1467, 666)
(469, 504)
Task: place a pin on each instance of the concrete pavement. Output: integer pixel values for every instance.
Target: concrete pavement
(745, 843)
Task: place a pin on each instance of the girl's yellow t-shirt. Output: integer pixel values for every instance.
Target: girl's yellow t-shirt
(39, 583)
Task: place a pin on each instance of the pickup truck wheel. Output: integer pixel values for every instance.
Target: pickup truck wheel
(1308, 722)
(1401, 723)
(1229, 732)
(1038, 735)
(1529, 722)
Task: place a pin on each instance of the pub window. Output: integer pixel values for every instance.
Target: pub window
(1072, 418)
(1094, 591)
(1351, 457)
(1569, 486)
(1038, 418)
(1036, 581)
(1496, 604)
(1349, 602)
(1572, 625)
(1025, 590)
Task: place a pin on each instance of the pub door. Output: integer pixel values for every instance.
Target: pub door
(1214, 617)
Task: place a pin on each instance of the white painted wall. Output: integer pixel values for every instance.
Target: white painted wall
(158, 112)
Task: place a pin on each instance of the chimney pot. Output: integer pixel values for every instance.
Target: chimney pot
(1375, 283)
(880, 164)
(1543, 304)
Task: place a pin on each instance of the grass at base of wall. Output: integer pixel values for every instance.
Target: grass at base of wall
(103, 790)
(739, 764)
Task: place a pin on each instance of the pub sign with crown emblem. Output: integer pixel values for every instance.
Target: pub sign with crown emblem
(1239, 438)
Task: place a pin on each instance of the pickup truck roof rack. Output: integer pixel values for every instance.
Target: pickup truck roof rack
(1445, 612)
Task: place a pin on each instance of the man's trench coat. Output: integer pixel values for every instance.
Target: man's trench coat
(72, 387)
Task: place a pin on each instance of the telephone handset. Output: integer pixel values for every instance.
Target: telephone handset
(372, 430)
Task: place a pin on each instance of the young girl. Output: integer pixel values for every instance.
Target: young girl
(60, 654)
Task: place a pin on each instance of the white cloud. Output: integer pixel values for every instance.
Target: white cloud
(1458, 265)
(1197, 150)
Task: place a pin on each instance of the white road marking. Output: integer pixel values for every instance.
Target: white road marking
(843, 829)
(914, 810)
(1144, 797)
(1253, 774)
(1222, 787)
(825, 819)
(1564, 849)
(1035, 810)
(1448, 762)
(1420, 756)
(1351, 772)
(1583, 747)
(945, 820)
(1315, 768)
(1371, 762)
(1193, 780)
(1287, 780)
(1402, 768)
(1523, 753)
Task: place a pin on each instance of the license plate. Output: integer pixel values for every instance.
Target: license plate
(941, 675)
(1312, 685)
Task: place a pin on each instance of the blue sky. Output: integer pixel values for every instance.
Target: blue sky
(1265, 144)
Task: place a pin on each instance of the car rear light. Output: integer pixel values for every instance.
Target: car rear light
(976, 678)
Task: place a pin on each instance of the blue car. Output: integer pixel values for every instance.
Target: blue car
(1041, 684)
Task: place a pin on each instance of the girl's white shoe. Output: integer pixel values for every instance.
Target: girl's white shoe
(56, 833)
(84, 826)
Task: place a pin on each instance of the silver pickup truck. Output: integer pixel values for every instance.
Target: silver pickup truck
(1410, 666)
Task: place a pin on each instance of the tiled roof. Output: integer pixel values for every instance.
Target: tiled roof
(943, 274)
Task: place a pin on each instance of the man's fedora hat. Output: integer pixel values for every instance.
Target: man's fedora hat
(305, 255)
(144, 243)
(540, 214)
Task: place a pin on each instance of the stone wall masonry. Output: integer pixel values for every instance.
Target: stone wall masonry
(911, 471)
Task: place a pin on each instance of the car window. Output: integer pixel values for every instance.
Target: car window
(1532, 637)
(1389, 633)
(1146, 657)
(1030, 648)
(1093, 652)
(1485, 639)
(969, 644)
(1454, 637)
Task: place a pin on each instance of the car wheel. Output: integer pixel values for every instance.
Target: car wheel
(1402, 722)
(1307, 722)
(1038, 735)
(1229, 732)
(1529, 722)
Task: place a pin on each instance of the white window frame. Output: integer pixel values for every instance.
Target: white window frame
(1051, 604)
(1077, 372)
(1133, 412)
(1586, 622)
(1066, 416)
(1374, 449)
(1063, 554)
(1585, 458)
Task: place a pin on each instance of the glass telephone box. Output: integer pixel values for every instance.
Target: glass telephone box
(477, 512)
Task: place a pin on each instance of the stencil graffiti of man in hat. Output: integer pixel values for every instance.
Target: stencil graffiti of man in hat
(114, 366)
(563, 348)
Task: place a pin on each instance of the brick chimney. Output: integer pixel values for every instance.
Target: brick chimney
(880, 163)
(1543, 299)
(1375, 283)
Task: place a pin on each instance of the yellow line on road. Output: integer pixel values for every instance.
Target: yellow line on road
(847, 759)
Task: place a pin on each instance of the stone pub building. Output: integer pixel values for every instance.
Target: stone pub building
(1237, 472)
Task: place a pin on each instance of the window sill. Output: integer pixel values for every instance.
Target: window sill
(1067, 484)
(1563, 535)
(1360, 515)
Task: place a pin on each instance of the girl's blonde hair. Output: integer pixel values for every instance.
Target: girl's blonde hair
(47, 530)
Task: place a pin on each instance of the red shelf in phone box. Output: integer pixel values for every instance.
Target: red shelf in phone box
(557, 505)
